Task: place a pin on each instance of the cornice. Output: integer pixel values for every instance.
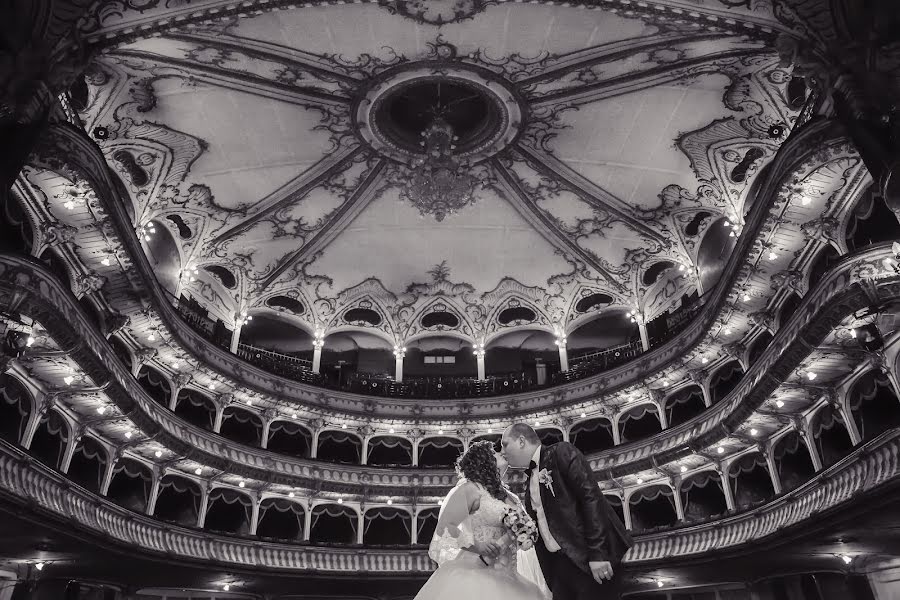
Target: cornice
(28, 482)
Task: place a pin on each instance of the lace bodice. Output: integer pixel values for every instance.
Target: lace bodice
(487, 525)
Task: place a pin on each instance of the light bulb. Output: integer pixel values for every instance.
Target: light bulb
(128, 435)
(39, 566)
(772, 256)
(30, 341)
(175, 365)
(158, 454)
(537, 423)
(290, 494)
(754, 431)
(727, 331)
(391, 430)
(490, 431)
(683, 469)
(151, 338)
(293, 415)
(640, 481)
(779, 403)
(727, 223)
(746, 297)
(853, 333)
(440, 432)
(101, 410)
(810, 375)
(211, 386)
(105, 262)
(241, 484)
(847, 559)
(343, 426)
(68, 379)
(69, 204)
(704, 360)
(390, 501)
(659, 583)
(806, 200)
(249, 402)
(583, 415)
(197, 471)
(340, 500)
(226, 587)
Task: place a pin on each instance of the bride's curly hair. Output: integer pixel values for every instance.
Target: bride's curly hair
(479, 466)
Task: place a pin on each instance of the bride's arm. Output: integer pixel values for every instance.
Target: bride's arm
(453, 532)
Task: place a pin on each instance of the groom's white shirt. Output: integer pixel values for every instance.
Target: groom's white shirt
(535, 491)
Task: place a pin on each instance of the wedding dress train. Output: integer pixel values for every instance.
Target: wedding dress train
(461, 575)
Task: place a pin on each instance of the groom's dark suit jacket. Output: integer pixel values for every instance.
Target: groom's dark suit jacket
(580, 519)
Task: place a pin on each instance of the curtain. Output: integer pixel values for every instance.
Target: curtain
(700, 480)
(290, 429)
(637, 413)
(91, 449)
(440, 443)
(333, 510)
(339, 437)
(388, 514)
(651, 493)
(592, 425)
(389, 442)
(56, 425)
(241, 416)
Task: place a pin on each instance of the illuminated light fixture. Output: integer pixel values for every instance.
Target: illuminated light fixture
(779, 403)
(490, 431)
(293, 415)
(681, 267)
(128, 435)
(101, 410)
(811, 375)
(754, 431)
(30, 341)
(290, 494)
(68, 379)
(727, 331)
(39, 566)
(389, 502)
(391, 430)
(583, 415)
(343, 426)
(198, 471)
(69, 204)
(151, 338)
(537, 423)
(340, 500)
(731, 233)
(772, 256)
(805, 200)
(727, 223)
(105, 262)
(683, 469)
(659, 583)
(175, 365)
(249, 402)
(847, 559)
(440, 432)
(158, 454)
(226, 587)
(211, 386)
(721, 449)
(665, 382)
(241, 483)
(640, 481)
(746, 297)
(853, 333)
(704, 360)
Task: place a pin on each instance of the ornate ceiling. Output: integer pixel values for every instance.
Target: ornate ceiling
(278, 146)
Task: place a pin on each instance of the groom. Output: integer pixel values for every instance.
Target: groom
(582, 540)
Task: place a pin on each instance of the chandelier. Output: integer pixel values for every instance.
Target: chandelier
(439, 184)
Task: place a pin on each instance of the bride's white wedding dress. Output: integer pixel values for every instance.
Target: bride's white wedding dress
(461, 575)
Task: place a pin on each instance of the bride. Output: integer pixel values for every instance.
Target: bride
(475, 554)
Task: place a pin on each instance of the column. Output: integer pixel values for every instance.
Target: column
(626, 511)
(773, 470)
(850, 423)
(220, 415)
(318, 344)
(204, 505)
(314, 444)
(360, 527)
(617, 435)
(173, 398)
(661, 414)
(810, 442)
(399, 355)
(707, 399)
(307, 521)
(415, 452)
(364, 452)
(565, 432)
(108, 475)
(254, 514)
(541, 369)
(563, 353)
(638, 317)
(479, 357)
(726, 488)
(264, 435)
(414, 528)
(699, 281)
(679, 505)
(34, 419)
(154, 492)
(69, 452)
(235, 339)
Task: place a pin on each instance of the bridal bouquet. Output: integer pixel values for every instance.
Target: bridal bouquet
(521, 526)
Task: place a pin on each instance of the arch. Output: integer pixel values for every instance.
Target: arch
(609, 329)
(794, 463)
(615, 502)
(155, 384)
(724, 380)
(639, 422)
(164, 255)
(195, 408)
(714, 251)
(130, 484)
(653, 273)
(228, 511)
(750, 480)
(448, 333)
(703, 496)
(16, 231)
(389, 451)
(759, 345)
(426, 523)
(827, 257)
(871, 221)
(874, 406)
(788, 308)
(439, 451)
(241, 425)
(50, 438)
(333, 524)
(292, 439)
(830, 434)
(549, 435)
(16, 406)
(57, 266)
(121, 350)
(592, 435)
(280, 519)
(652, 507)
(88, 463)
(496, 335)
(684, 405)
(178, 500)
(387, 526)
(335, 445)
(278, 332)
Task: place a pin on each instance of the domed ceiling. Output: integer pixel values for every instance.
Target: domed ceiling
(435, 157)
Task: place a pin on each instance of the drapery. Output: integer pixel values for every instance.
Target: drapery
(454, 530)
(388, 514)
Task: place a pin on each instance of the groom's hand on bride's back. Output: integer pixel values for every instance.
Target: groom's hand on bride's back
(486, 549)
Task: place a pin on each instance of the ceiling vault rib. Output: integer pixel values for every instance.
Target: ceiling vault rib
(633, 82)
(363, 194)
(293, 191)
(243, 82)
(545, 226)
(265, 51)
(615, 51)
(588, 191)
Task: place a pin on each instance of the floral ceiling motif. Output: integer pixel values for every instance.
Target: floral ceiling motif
(274, 149)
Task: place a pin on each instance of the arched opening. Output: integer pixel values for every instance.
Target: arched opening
(228, 511)
(242, 426)
(16, 234)
(339, 447)
(130, 484)
(178, 501)
(549, 435)
(825, 259)
(389, 451)
(387, 526)
(593, 435)
(830, 433)
(276, 344)
(195, 408)
(600, 344)
(639, 422)
(155, 384)
(93, 313)
(788, 308)
(493, 438)
(759, 345)
(717, 245)
(162, 251)
(724, 380)
(349, 357)
(280, 519)
(652, 507)
(615, 502)
(121, 351)
(871, 222)
(437, 452)
(702, 496)
(684, 405)
(438, 358)
(874, 405)
(50, 439)
(523, 353)
(751, 482)
(792, 457)
(289, 438)
(333, 524)
(56, 266)
(88, 464)
(426, 523)
(15, 409)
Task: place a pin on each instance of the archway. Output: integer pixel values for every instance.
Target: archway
(593, 435)
(280, 519)
(339, 447)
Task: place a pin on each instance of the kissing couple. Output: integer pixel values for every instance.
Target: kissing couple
(484, 530)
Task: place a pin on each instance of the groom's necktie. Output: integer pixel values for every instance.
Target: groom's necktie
(528, 504)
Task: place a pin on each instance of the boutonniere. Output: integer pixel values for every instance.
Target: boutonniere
(546, 479)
